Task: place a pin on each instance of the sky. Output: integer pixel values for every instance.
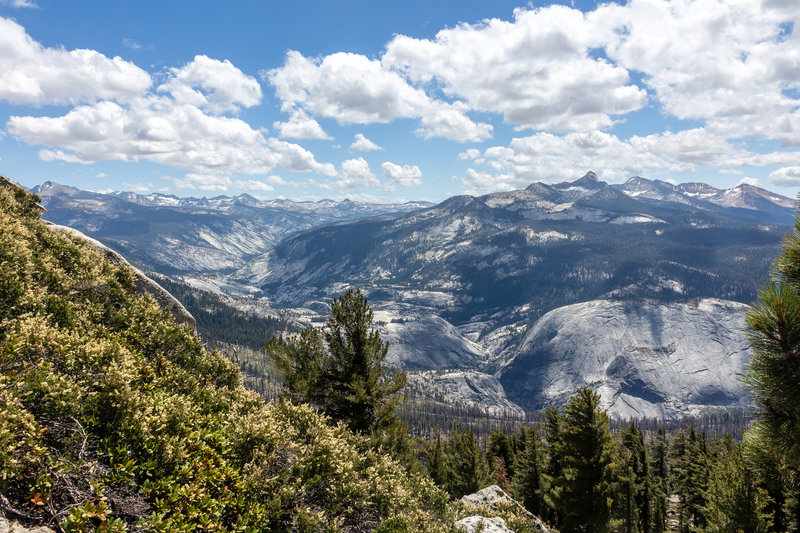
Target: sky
(397, 101)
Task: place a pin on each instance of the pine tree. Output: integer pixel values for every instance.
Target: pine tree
(298, 359)
(658, 482)
(467, 464)
(774, 374)
(344, 375)
(734, 500)
(527, 483)
(498, 445)
(552, 493)
(500, 473)
(635, 482)
(436, 460)
(586, 450)
(697, 477)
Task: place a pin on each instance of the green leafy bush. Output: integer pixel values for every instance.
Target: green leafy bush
(113, 417)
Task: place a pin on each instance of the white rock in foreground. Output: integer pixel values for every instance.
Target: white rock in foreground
(489, 498)
(643, 358)
(481, 524)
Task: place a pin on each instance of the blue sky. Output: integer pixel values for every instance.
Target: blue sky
(393, 101)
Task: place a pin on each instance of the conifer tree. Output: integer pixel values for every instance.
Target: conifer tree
(344, 375)
(635, 482)
(500, 474)
(697, 477)
(527, 483)
(773, 443)
(498, 445)
(552, 472)
(436, 460)
(658, 482)
(586, 450)
(467, 464)
(734, 500)
(689, 475)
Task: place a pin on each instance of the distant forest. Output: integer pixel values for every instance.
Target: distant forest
(220, 324)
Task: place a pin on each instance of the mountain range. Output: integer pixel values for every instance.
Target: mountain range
(461, 287)
(175, 235)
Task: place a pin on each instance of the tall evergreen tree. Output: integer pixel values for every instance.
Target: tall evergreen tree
(467, 464)
(552, 422)
(436, 460)
(773, 443)
(499, 445)
(586, 450)
(500, 473)
(697, 477)
(527, 483)
(634, 481)
(659, 471)
(344, 375)
(734, 500)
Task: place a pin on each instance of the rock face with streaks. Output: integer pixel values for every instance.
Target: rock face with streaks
(419, 339)
(643, 358)
(469, 389)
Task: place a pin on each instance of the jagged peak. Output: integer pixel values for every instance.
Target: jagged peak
(589, 181)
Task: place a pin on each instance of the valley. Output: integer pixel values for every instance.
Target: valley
(502, 302)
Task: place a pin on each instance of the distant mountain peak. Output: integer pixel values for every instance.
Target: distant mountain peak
(589, 181)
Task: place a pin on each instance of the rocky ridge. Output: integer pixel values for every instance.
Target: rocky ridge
(195, 235)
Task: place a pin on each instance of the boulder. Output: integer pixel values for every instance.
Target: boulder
(476, 524)
(12, 526)
(490, 498)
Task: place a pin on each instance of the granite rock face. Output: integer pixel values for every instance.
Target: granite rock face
(419, 339)
(643, 358)
(12, 526)
(469, 389)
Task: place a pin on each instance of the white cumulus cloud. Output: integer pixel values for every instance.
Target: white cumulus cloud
(786, 176)
(547, 157)
(363, 144)
(212, 84)
(19, 3)
(356, 173)
(353, 89)
(726, 63)
(749, 181)
(538, 70)
(36, 75)
(405, 176)
(185, 123)
(301, 126)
